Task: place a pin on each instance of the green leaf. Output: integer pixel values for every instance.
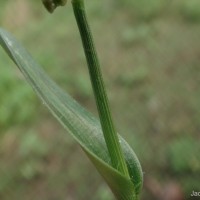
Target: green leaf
(84, 127)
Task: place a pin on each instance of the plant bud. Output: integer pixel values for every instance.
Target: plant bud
(51, 5)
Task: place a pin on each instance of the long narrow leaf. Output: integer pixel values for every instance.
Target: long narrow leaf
(80, 123)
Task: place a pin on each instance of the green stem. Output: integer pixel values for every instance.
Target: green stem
(110, 135)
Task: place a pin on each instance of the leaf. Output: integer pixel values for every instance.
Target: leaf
(84, 127)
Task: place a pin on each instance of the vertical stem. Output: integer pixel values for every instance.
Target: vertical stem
(110, 135)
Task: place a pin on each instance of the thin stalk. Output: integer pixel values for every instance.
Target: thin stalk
(110, 135)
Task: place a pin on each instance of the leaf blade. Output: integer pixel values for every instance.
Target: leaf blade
(80, 123)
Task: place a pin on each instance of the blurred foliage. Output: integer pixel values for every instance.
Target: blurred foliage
(190, 162)
(146, 9)
(17, 102)
(191, 10)
(149, 51)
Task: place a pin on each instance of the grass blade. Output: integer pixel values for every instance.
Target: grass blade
(80, 123)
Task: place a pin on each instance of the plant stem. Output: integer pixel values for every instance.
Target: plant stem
(110, 135)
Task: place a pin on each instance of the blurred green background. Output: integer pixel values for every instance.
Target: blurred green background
(150, 57)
